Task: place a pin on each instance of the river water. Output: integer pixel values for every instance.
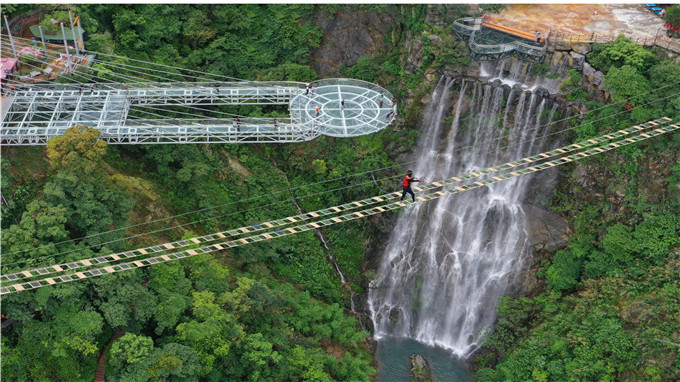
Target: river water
(394, 363)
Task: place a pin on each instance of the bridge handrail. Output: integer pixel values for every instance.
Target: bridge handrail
(466, 29)
(531, 49)
(353, 82)
(209, 121)
(506, 47)
(210, 85)
(493, 48)
(164, 85)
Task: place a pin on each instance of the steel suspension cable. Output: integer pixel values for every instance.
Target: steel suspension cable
(230, 203)
(341, 208)
(109, 269)
(389, 167)
(29, 43)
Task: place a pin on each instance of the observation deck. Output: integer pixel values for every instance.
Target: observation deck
(491, 42)
(33, 114)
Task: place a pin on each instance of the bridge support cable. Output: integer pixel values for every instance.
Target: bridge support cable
(328, 212)
(114, 268)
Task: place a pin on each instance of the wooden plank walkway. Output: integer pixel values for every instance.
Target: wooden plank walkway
(101, 364)
(513, 31)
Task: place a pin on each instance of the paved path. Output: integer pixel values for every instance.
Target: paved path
(633, 20)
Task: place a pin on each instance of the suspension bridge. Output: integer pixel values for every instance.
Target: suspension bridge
(87, 268)
(129, 101)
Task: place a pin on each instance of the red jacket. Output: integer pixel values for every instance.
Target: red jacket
(407, 181)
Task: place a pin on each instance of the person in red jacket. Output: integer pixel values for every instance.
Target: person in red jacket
(408, 179)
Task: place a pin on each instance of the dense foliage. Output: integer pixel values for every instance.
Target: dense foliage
(273, 312)
(237, 40)
(612, 300)
(189, 320)
(673, 15)
(265, 312)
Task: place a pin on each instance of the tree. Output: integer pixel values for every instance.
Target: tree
(289, 72)
(123, 301)
(55, 14)
(64, 347)
(564, 271)
(622, 52)
(212, 332)
(169, 310)
(258, 356)
(18, 9)
(306, 365)
(367, 69)
(673, 15)
(78, 150)
(665, 96)
(93, 205)
(173, 362)
(93, 202)
(129, 349)
(41, 225)
(627, 84)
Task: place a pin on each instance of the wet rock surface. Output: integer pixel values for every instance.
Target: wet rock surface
(420, 369)
(547, 230)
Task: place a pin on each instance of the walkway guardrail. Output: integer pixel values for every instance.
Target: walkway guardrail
(353, 82)
(462, 26)
(470, 28)
(205, 85)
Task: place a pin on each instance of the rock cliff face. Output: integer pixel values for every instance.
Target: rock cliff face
(349, 33)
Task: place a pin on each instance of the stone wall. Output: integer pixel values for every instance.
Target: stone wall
(576, 53)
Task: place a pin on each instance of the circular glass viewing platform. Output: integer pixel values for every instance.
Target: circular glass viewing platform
(367, 108)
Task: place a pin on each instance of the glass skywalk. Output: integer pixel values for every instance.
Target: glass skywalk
(32, 115)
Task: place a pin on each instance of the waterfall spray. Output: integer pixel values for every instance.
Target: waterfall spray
(447, 262)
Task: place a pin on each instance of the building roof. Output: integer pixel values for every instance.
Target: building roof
(57, 36)
(7, 65)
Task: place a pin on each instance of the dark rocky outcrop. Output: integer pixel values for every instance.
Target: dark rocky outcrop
(547, 230)
(577, 60)
(349, 33)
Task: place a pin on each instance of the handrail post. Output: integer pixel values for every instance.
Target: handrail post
(73, 34)
(82, 38)
(68, 52)
(11, 40)
(42, 37)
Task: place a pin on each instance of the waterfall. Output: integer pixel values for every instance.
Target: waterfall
(448, 261)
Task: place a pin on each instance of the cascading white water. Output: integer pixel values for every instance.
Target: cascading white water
(448, 261)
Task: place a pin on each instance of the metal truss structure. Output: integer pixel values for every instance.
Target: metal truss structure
(32, 115)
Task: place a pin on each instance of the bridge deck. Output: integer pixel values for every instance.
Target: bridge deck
(513, 31)
(31, 116)
(488, 42)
